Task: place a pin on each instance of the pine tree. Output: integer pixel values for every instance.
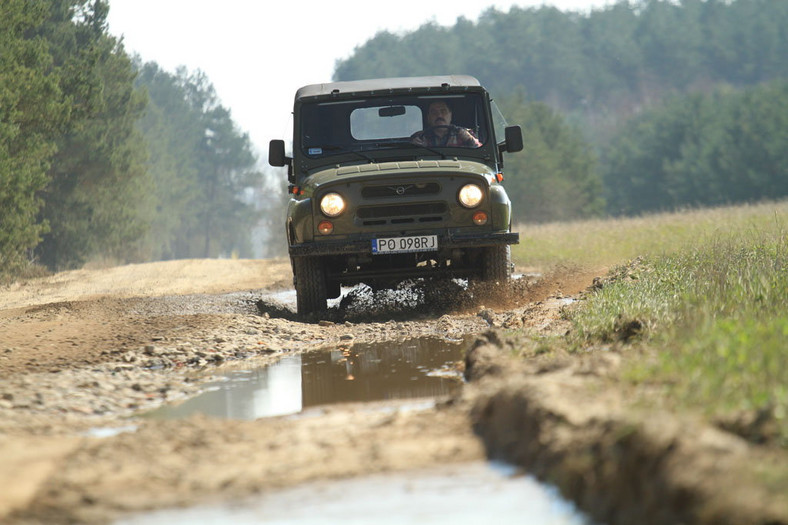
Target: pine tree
(32, 112)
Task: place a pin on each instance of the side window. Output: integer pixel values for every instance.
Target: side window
(374, 123)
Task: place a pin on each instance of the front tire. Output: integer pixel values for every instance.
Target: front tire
(310, 285)
(497, 264)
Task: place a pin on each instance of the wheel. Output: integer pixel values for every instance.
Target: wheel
(497, 264)
(310, 285)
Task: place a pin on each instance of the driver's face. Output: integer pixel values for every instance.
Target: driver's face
(439, 114)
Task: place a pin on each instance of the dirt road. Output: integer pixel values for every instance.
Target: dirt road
(84, 353)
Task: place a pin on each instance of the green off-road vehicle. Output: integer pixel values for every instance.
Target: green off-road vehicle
(394, 179)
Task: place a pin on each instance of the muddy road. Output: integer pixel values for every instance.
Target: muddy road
(85, 354)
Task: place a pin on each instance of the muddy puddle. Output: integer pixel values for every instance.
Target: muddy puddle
(410, 369)
(471, 493)
(410, 374)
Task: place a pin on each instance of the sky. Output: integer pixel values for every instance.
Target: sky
(257, 54)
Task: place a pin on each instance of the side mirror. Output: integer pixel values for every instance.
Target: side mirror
(514, 139)
(276, 153)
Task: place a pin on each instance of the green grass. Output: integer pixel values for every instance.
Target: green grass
(703, 314)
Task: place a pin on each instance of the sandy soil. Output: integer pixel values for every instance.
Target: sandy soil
(93, 348)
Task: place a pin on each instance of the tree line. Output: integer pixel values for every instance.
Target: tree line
(104, 156)
(702, 150)
(200, 164)
(607, 99)
(619, 57)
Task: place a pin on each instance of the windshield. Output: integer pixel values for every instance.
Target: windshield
(385, 123)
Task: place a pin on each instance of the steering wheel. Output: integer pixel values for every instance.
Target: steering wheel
(447, 127)
(431, 130)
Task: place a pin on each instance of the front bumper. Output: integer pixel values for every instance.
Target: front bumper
(445, 242)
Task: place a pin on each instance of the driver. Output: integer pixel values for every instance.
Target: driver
(441, 132)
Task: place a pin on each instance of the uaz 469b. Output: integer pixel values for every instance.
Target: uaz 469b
(394, 179)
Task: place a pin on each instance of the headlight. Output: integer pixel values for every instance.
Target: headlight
(471, 195)
(332, 204)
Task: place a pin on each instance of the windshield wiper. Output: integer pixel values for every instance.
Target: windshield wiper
(348, 150)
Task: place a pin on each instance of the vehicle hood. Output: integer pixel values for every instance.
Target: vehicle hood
(394, 170)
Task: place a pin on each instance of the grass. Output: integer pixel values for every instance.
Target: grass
(611, 242)
(22, 272)
(698, 300)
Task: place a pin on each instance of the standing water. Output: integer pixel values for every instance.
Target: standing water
(465, 494)
(415, 368)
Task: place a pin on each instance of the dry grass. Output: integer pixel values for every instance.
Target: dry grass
(611, 242)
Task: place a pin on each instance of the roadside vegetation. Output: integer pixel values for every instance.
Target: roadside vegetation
(698, 300)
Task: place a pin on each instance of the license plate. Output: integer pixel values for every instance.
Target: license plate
(416, 243)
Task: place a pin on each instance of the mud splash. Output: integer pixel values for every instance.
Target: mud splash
(412, 299)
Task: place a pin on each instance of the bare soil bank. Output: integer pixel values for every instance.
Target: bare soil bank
(569, 423)
(92, 349)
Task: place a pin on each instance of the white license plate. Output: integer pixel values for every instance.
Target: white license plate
(416, 243)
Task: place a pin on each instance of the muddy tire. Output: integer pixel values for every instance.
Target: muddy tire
(310, 279)
(497, 264)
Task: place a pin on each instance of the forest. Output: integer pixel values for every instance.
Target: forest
(637, 107)
(106, 158)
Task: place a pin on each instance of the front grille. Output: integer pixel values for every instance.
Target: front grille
(399, 190)
(415, 211)
(400, 214)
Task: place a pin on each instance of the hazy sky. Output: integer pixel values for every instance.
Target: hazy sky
(258, 53)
